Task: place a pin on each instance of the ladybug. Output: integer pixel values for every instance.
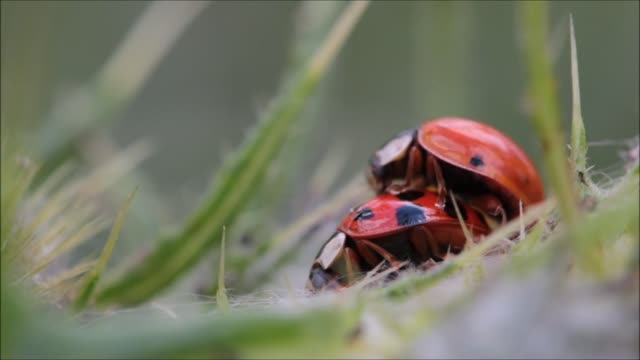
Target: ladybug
(476, 161)
(392, 228)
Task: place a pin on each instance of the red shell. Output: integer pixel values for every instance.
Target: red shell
(379, 216)
(457, 140)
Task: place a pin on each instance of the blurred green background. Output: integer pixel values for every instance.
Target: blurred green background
(404, 63)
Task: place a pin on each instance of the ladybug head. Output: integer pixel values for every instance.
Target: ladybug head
(375, 174)
(383, 164)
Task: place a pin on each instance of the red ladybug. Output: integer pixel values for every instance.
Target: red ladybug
(488, 169)
(391, 228)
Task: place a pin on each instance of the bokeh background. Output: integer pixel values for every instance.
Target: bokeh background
(404, 63)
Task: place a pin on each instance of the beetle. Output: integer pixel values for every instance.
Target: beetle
(481, 164)
(392, 228)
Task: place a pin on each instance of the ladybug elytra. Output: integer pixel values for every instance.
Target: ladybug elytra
(476, 161)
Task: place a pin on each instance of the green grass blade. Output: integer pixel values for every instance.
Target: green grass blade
(79, 118)
(413, 284)
(578, 133)
(221, 292)
(259, 266)
(467, 234)
(617, 214)
(546, 111)
(233, 186)
(70, 275)
(92, 277)
(442, 39)
(319, 332)
(93, 105)
(312, 21)
(15, 182)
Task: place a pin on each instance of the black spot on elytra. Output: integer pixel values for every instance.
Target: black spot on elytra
(410, 195)
(409, 214)
(476, 160)
(451, 210)
(364, 214)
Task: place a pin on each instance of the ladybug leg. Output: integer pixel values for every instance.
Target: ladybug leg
(436, 252)
(500, 212)
(368, 255)
(434, 171)
(419, 240)
(370, 247)
(425, 244)
(490, 205)
(414, 167)
(352, 264)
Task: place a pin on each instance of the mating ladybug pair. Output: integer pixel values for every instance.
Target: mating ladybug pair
(413, 216)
